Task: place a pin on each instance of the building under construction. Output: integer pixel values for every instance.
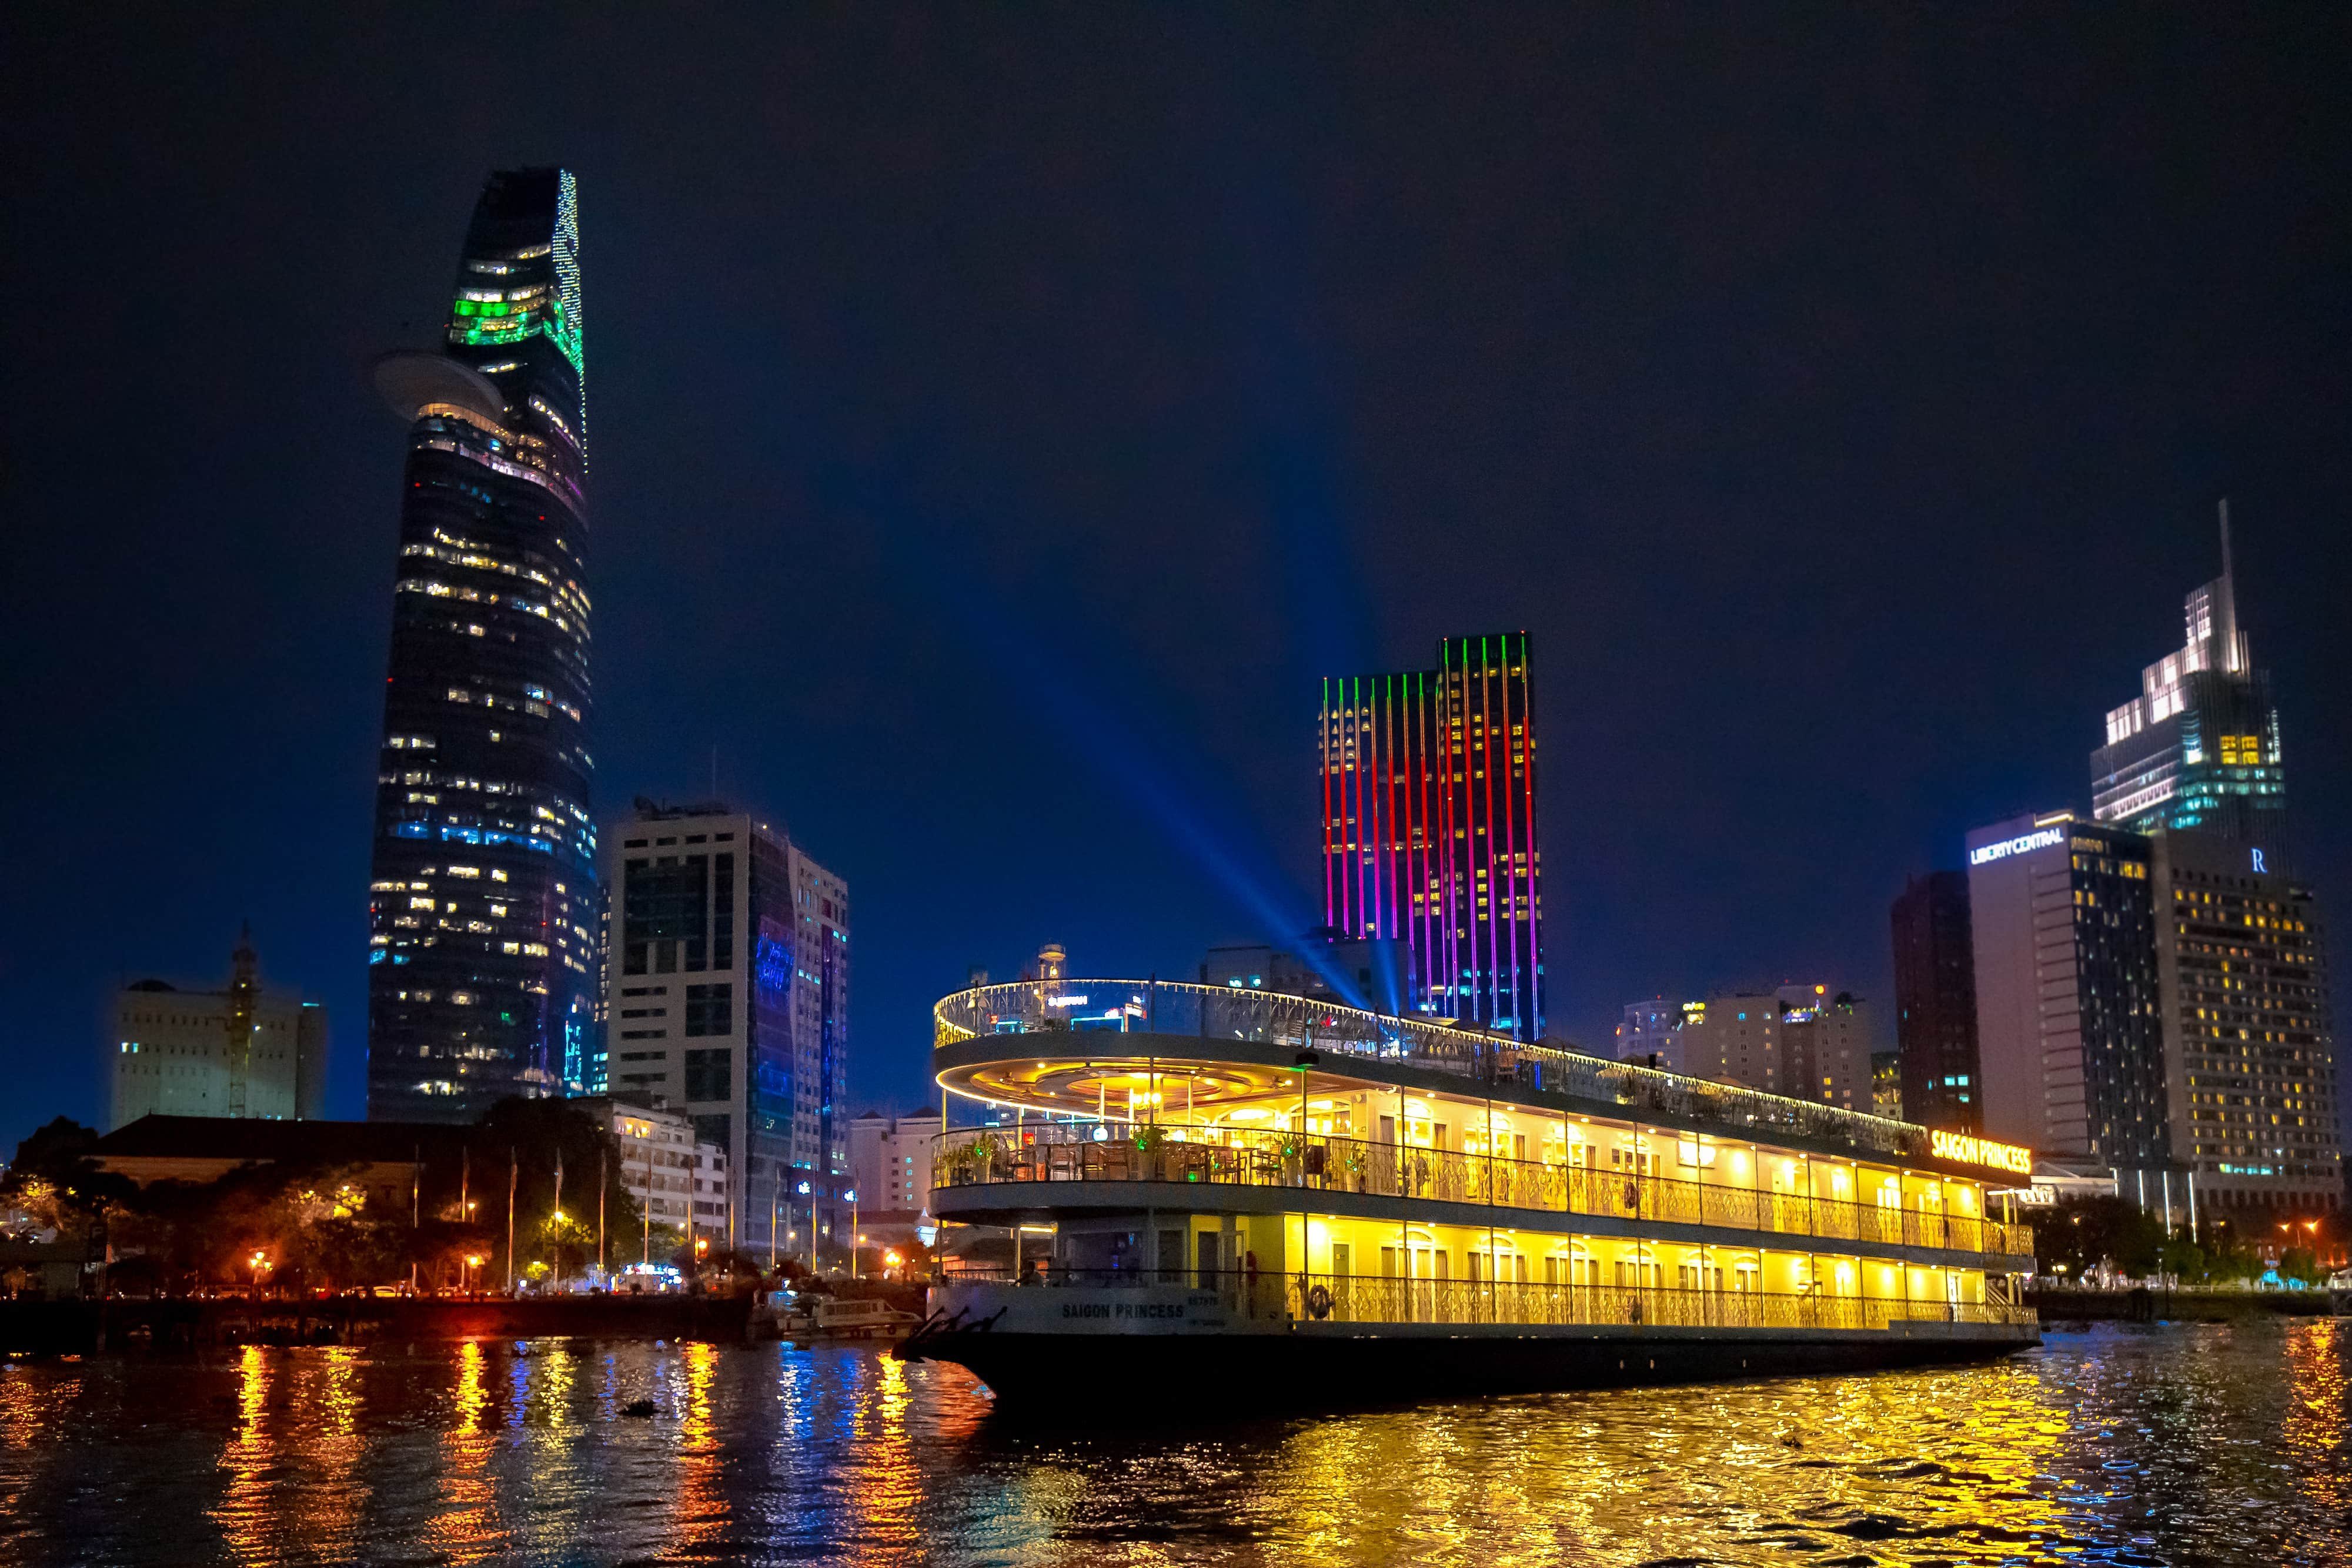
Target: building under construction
(241, 1052)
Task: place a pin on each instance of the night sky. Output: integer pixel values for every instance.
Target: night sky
(1000, 418)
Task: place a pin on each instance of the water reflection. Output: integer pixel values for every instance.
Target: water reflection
(702, 1501)
(462, 1526)
(2222, 1443)
(2319, 1415)
(249, 1458)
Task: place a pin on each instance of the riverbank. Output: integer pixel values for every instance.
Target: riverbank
(2068, 1304)
(80, 1327)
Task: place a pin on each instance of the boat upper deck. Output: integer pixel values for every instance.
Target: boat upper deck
(1207, 1043)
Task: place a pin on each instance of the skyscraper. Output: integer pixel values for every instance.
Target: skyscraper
(1429, 831)
(2198, 747)
(1936, 1003)
(482, 906)
(2069, 1024)
(2250, 1058)
(729, 999)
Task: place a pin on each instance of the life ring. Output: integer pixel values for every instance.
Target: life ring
(1318, 1303)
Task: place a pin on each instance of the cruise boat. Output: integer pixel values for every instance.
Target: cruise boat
(1295, 1202)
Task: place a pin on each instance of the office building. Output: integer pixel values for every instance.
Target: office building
(2069, 1022)
(1652, 1033)
(2241, 963)
(1825, 1047)
(1936, 1003)
(1736, 1038)
(482, 906)
(1429, 834)
(678, 1182)
(729, 1000)
(1324, 964)
(890, 1161)
(241, 1052)
(1886, 1084)
(2198, 747)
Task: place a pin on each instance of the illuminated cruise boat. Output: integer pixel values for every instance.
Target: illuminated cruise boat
(1355, 1207)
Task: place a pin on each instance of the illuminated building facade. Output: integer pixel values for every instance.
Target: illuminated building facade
(2198, 747)
(728, 1000)
(483, 904)
(2069, 1026)
(1428, 786)
(1826, 1037)
(1652, 1033)
(1936, 1003)
(2242, 959)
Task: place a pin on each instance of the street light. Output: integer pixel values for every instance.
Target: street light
(258, 1260)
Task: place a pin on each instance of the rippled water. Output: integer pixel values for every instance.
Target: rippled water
(2190, 1444)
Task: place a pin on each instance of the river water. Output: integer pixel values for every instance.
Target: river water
(2167, 1444)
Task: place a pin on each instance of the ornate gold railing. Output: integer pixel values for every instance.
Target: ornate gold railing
(1229, 1157)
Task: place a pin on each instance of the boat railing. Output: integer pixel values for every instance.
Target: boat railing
(1379, 1299)
(1214, 1157)
(1078, 1007)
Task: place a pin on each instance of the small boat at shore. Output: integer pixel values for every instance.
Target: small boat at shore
(814, 1318)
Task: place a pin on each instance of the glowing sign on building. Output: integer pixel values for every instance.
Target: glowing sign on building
(1973, 1150)
(2024, 843)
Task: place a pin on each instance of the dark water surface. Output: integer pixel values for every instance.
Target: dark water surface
(2188, 1444)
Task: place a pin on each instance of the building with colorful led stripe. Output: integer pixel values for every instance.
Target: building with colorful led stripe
(483, 903)
(2198, 747)
(729, 1000)
(1428, 782)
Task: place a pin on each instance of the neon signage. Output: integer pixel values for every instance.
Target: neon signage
(1974, 1151)
(2024, 843)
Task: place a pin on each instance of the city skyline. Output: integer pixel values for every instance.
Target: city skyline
(1740, 738)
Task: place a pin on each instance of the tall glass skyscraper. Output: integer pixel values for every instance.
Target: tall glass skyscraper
(2198, 747)
(1429, 829)
(483, 908)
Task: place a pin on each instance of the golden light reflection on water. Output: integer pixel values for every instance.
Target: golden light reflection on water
(703, 1506)
(248, 1499)
(2223, 1443)
(885, 1490)
(32, 1406)
(1794, 1467)
(463, 1528)
(2319, 1411)
(324, 1408)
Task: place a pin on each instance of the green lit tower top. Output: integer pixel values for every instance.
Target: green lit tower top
(2198, 747)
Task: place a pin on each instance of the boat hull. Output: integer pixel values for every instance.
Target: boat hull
(1044, 1348)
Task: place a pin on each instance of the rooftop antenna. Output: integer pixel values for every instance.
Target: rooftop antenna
(2225, 616)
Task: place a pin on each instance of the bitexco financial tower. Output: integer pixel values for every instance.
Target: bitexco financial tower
(482, 903)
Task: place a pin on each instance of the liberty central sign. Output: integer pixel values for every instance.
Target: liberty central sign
(2041, 839)
(1973, 1150)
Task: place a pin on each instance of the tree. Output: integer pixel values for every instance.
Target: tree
(56, 1179)
(2086, 1232)
(535, 1138)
